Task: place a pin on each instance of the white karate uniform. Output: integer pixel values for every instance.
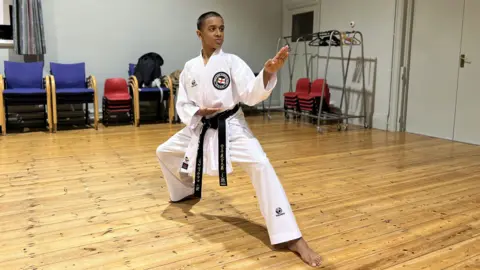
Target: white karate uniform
(225, 81)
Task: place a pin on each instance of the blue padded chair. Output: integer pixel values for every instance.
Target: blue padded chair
(149, 94)
(24, 84)
(70, 85)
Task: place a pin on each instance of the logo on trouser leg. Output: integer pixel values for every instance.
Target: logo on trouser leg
(279, 212)
(185, 163)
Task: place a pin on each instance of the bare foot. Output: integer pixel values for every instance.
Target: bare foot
(309, 256)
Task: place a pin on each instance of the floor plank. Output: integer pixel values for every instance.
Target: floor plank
(365, 199)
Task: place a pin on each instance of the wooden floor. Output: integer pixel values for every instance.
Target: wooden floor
(89, 199)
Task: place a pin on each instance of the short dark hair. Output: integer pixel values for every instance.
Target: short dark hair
(205, 16)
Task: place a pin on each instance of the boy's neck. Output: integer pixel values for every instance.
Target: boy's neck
(207, 53)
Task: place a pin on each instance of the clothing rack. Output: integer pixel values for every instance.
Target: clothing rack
(330, 38)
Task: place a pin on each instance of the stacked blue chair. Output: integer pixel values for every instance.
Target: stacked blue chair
(24, 84)
(70, 85)
(149, 94)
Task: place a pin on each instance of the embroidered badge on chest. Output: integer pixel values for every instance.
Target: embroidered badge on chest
(221, 80)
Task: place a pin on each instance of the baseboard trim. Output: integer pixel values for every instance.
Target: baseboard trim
(379, 121)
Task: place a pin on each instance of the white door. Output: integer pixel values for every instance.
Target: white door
(467, 117)
(434, 67)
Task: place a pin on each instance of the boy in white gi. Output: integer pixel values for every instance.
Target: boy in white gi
(211, 86)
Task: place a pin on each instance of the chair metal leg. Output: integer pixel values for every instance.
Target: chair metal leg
(105, 115)
(45, 115)
(131, 116)
(159, 106)
(3, 121)
(6, 117)
(87, 120)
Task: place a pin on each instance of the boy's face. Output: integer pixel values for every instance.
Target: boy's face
(212, 32)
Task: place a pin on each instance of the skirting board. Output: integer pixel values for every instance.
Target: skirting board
(258, 107)
(379, 120)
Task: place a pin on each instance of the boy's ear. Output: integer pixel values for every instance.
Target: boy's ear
(199, 34)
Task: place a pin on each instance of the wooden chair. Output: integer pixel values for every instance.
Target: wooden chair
(24, 84)
(70, 85)
(150, 94)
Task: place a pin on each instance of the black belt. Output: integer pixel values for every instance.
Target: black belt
(216, 122)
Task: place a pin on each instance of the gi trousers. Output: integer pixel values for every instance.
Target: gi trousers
(245, 150)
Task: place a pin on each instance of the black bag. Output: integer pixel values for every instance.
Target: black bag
(148, 69)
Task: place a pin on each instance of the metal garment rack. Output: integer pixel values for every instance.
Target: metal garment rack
(328, 39)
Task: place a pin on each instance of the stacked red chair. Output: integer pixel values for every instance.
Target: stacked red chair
(116, 99)
(310, 102)
(290, 98)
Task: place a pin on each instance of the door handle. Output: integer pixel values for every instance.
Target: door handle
(463, 61)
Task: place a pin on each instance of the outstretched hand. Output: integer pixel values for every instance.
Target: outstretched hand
(274, 65)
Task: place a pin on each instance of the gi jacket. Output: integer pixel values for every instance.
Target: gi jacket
(225, 81)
